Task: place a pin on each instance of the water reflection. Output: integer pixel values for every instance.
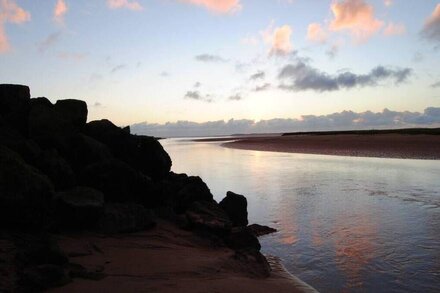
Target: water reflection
(345, 224)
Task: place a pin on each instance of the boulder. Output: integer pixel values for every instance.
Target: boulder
(125, 218)
(143, 153)
(118, 181)
(193, 189)
(260, 230)
(74, 110)
(46, 124)
(242, 238)
(25, 193)
(78, 208)
(43, 277)
(14, 106)
(208, 216)
(235, 206)
(28, 149)
(56, 168)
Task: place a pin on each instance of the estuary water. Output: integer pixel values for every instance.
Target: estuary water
(345, 224)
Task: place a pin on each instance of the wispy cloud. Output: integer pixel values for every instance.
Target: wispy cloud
(394, 29)
(258, 75)
(118, 68)
(431, 29)
(126, 4)
(316, 33)
(49, 41)
(196, 95)
(10, 12)
(300, 76)
(72, 56)
(60, 11)
(263, 87)
(344, 120)
(236, 97)
(209, 58)
(217, 6)
(279, 39)
(436, 84)
(355, 16)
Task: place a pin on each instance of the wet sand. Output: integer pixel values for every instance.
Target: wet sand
(168, 259)
(420, 146)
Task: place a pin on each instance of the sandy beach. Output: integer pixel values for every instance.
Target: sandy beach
(169, 259)
(377, 145)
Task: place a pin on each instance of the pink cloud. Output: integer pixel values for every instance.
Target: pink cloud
(218, 6)
(355, 16)
(394, 29)
(59, 11)
(316, 33)
(279, 39)
(10, 12)
(431, 29)
(127, 4)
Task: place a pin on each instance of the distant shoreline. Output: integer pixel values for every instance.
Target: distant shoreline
(403, 144)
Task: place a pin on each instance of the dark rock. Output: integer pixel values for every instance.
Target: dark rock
(46, 124)
(235, 206)
(25, 193)
(14, 106)
(78, 208)
(15, 141)
(125, 218)
(260, 230)
(253, 263)
(194, 189)
(209, 216)
(118, 181)
(242, 238)
(143, 153)
(56, 168)
(74, 110)
(43, 277)
(37, 249)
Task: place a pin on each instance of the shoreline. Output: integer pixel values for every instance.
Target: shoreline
(166, 259)
(398, 146)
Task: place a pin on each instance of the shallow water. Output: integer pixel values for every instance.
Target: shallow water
(345, 224)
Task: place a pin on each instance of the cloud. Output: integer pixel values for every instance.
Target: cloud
(118, 68)
(355, 16)
(431, 29)
(209, 58)
(236, 97)
(196, 95)
(394, 29)
(388, 2)
(316, 33)
(164, 74)
(10, 12)
(436, 85)
(279, 39)
(257, 75)
(127, 4)
(197, 84)
(261, 88)
(72, 56)
(332, 51)
(50, 41)
(300, 76)
(345, 120)
(217, 6)
(60, 11)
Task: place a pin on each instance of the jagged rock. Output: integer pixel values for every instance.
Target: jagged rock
(209, 216)
(194, 189)
(25, 193)
(14, 106)
(118, 181)
(260, 230)
(124, 218)
(235, 206)
(143, 153)
(56, 168)
(28, 149)
(74, 110)
(45, 123)
(242, 238)
(78, 208)
(44, 276)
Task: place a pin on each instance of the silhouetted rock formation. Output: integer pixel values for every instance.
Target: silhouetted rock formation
(59, 173)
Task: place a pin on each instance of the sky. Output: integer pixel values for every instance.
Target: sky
(182, 67)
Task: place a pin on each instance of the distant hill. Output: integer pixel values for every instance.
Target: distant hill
(411, 131)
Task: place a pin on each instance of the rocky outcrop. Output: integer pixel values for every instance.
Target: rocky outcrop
(260, 230)
(235, 206)
(207, 215)
(73, 110)
(14, 106)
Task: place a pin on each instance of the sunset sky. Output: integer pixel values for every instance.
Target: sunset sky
(207, 60)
